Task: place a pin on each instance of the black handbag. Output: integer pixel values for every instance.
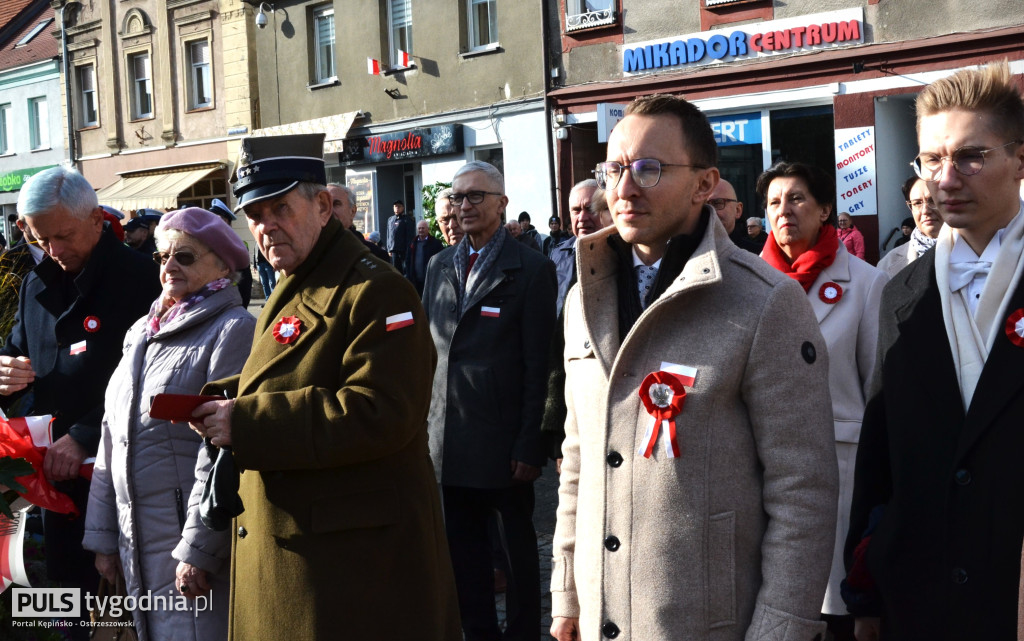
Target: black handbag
(220, 502)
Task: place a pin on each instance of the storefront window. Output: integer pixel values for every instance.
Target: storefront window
(805, 134)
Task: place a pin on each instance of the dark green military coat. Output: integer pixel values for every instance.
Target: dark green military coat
(342, 534)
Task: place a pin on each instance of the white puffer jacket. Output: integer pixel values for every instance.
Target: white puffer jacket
(144, 500)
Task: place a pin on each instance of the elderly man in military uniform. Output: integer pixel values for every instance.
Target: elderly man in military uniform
(342, 521)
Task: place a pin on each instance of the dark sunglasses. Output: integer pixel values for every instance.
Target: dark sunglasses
(184, 258)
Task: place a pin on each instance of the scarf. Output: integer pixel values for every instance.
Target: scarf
(971, 337)
(808, 265)
(468, 285)
(919, 244)
(164, 310)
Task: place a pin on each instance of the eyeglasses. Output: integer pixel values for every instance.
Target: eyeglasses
(720, 203)
(474, 197)
(646, 172)
(967, 161)
(921, 204)
(184, 258)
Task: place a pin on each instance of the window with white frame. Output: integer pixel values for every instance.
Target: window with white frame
(483, 23)
(88, 115)
(200, 78)
(582, 14)
(323, 33)
(400, 21)
(5, 121)
(38, 123)
(140, 77)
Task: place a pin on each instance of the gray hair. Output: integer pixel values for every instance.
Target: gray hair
(753, 220)
(309, 190)
(351, 195)
(442, 199)
(57, 187)
(589, 183)
(485, 168)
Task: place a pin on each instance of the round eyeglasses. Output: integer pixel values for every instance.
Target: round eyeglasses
(967, 161)
(646, 172)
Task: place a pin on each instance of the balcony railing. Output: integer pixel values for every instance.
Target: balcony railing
(589, 20)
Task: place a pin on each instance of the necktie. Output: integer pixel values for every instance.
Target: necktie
(644, 281)
(472, 261)
(961, 274)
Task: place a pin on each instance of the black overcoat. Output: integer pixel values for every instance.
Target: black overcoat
(946, 554)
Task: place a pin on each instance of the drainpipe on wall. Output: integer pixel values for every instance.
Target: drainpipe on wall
(547, 112)
(68, 98)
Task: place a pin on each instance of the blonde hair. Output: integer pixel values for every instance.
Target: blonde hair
(990, 90)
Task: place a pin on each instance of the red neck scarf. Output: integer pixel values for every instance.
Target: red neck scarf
(808, 265)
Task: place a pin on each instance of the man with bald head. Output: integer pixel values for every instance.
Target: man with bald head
(729, 210)
(343, 209)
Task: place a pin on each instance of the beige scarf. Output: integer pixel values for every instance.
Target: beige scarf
(971, 337)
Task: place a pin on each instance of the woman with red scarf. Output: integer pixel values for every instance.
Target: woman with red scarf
(844, 292)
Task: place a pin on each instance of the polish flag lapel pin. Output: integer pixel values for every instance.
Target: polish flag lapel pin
(1015, 327)
(490, 312)
(830, 293)
(287, 330)
(398, 321)
(78, 348)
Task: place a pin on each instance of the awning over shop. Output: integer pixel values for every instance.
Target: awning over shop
(335, 127)
(155, 188)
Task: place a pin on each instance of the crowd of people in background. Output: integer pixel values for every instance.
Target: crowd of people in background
(746, 442)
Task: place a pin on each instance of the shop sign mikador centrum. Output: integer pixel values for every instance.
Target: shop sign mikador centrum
(805, 33)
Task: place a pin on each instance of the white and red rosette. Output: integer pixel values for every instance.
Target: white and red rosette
(830, 293)
(287, 329)
(91, 324)
(1015, 327)
(663, 396)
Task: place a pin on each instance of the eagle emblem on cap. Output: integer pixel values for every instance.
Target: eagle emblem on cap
(244, 157)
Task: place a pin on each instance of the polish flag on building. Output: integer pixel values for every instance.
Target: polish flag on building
(373, 67)
(403, 58)
(398, 321)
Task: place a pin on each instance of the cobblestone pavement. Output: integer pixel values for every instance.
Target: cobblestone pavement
(546, 492)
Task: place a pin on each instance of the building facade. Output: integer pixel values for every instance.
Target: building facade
(409, 90)
(826, 82)
(30, 99)
(160, 95)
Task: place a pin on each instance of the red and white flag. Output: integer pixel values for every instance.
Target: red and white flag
(373, 67)
(685, 373)
(78, 348)
(403, 58)
(398, 321)
(491, 312)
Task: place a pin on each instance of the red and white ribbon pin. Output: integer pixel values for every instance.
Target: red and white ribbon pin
(398, 321)
(663, 395)
(491, 312)
(1015, 327)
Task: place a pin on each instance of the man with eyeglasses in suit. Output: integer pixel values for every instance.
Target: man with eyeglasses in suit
(490, 301)
(940, 444)
(698, 491)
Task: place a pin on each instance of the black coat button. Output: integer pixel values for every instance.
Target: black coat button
(611, 543)
(610, 630)
(451, 308)
(808, 352)
(962, 477)
(241, 532)
(959, 576)
(614, 459)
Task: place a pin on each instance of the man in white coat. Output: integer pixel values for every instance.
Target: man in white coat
(698, 490)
